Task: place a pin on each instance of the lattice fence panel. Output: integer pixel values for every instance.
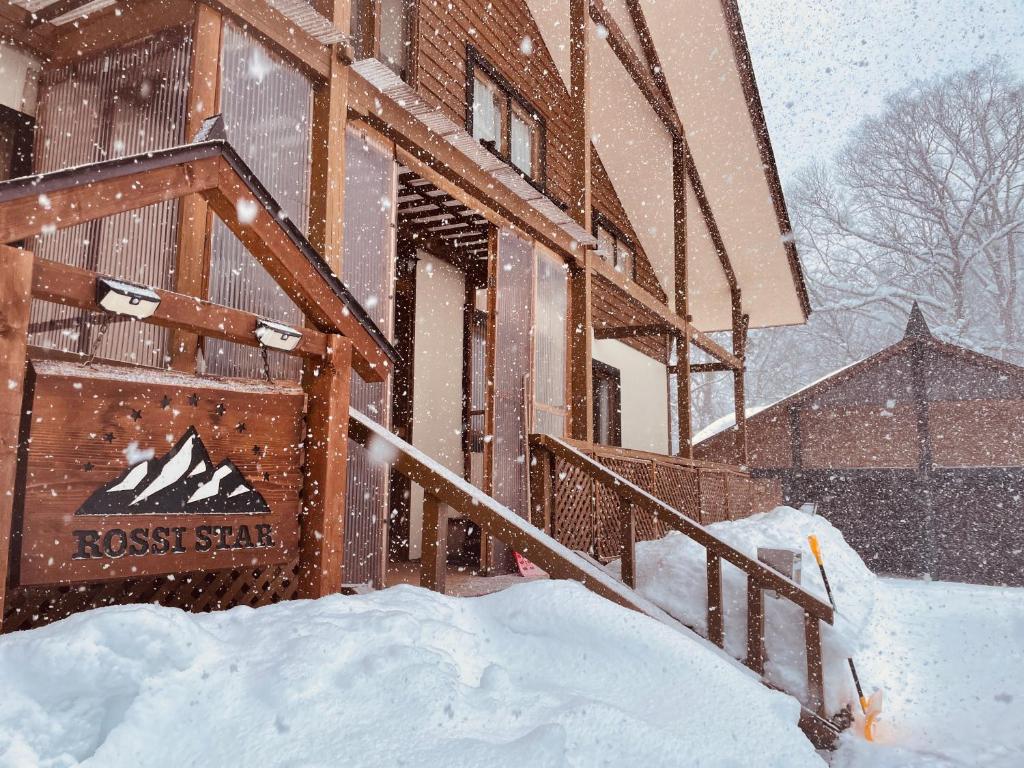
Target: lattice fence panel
(678, 487)
(714, 503)
(609, 525)
(29, 607)
(575, 522)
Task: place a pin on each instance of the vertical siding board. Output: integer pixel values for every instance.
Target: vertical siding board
(267, 107)
(368, 271)
(119, 103)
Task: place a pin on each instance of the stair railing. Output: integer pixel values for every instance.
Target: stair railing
(545, 450)
(442, 487)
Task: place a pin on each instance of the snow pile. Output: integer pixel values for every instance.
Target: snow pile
(544, 674)
(672, 573)
(950, 658)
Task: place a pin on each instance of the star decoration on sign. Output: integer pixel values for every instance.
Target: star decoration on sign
(193, 399)
(221, 409)
(109, 437)
(88, 466)
(136, 414)
(240, 427)
(266, 477)
(166, 402)
(257, 450)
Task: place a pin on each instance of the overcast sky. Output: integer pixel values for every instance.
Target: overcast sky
(822, 64)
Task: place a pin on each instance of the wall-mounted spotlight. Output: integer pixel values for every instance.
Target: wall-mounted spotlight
(124, 298)
(277, 335)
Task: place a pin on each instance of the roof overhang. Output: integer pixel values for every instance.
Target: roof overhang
(733, 193)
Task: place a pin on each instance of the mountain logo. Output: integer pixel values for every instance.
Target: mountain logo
(182, 481)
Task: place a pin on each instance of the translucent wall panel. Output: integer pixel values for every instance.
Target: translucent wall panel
(368, 271)
(120, 103)
(267, 106)
(513, 321)
(550, 343)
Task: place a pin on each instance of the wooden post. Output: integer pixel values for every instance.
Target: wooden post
(322, 537)
(192, 268)
(755, 626)
(627, 521)
(716, 627)
(682, 303)
(579, 94)
(739, 349)
(581, 373)
(542, 488)
(434, 559)
(15, 302)
(490, 367)
(815, 676)
(327, 176)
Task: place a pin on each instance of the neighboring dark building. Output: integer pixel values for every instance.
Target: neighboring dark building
(916, 454)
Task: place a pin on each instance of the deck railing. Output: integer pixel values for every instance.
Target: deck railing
(552, 458)
(582, 514)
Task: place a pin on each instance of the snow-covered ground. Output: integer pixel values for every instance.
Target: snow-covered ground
(543, 674)
(950, 658)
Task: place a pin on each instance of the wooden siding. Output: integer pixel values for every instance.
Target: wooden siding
(496, 28)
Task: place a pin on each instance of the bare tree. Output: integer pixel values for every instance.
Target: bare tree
(926, 203)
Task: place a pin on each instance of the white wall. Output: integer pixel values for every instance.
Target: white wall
(437, 375)
(18, 73)
(644, 396)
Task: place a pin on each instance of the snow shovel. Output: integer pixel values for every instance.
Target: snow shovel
(871, 707)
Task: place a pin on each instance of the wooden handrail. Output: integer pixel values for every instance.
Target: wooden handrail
(441, 485)
(631, 454)
(763, 576)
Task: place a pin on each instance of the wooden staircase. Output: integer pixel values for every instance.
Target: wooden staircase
(442, 487)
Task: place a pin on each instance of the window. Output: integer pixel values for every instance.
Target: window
(607, 404)
(504, 122)
(16, 131)
(614, 247)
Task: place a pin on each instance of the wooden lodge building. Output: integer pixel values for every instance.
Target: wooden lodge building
(502, 231)
(916, 454)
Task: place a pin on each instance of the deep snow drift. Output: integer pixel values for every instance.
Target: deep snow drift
(543, 674)
(672, 573)
(950, 658)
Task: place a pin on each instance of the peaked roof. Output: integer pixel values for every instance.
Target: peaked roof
(917, 335)
(917, 326)
(211, 167)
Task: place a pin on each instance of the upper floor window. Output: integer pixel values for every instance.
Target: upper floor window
(504, 122)
(614, 247)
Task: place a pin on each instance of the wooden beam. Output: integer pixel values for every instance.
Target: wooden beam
(627, 528)
(581, 373)
(740, 323)
(79, 203)
(579, 96)
(53, 11)
(709, 368)
(716, 623)
(15, 29)
(103, 30)
(639, 19)
(755, 627)
(322, 532)
(633, 331)
(192, 269)
(637, 294)
(75, 287)
(636, 68)
(15, 302)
